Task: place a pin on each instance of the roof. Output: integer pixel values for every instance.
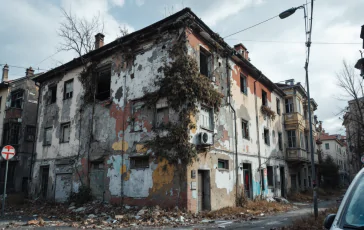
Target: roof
(172, 21)
(334, 137)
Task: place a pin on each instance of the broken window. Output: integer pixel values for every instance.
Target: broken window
(280, 144)
(278, 106)
(327, 146)
(222, 164)
(139, 162)
(16, 99)
(264, 98)
(289, 105)
(243, 85)
(47, 136)
(65, 132)
(103, 83)
(52, 94)
(291, 138)
(68, 89)
(206, 118)
(30, 133)
(270, 176)
(11, 133)
(204, 62)
(245, 129)
(266, 136)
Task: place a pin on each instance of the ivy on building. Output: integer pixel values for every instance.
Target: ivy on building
(268, 112)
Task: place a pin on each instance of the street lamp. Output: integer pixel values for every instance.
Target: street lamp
(308, 30)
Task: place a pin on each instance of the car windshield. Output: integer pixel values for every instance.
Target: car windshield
(354, 213)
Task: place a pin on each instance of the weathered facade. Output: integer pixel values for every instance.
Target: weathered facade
(97, 123)
(296, 123)
(19, 127)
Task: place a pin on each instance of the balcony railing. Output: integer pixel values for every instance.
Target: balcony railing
(296, 154)
(12, 113)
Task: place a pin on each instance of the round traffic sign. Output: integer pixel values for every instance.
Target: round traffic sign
(362, 159)
(8, 152)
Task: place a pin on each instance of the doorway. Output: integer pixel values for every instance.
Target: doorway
(44, 170)
(283, 182)
(203, 190)
(247, 180)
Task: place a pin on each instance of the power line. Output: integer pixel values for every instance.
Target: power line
(256, 24)
(49, 57)
(21, 67)
(296, 42)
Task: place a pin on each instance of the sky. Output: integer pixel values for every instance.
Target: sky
(29, 37)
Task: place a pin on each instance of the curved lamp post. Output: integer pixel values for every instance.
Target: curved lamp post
(308, 29)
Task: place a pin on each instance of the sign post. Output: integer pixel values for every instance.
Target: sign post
(7, 153)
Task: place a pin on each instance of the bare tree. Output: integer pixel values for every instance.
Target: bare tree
(123, 30)
(78, 33)
(351, 85)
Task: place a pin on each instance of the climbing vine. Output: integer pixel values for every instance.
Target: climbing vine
(268, 112)
(88, 80)
(184, 88)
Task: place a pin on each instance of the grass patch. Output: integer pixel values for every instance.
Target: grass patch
(309, 222)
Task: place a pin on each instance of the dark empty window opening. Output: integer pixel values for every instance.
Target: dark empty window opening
(52, 94)
(270, 175)
(245, 129)
(30, 133)
(243, 85)
(264, 98)
(11, 133)
(280, 144)
(204, 62)
(266, 136)
(97, 165)
(17, 99)
(223, 164)
(103, 83)
(65, 135)
(289, 105)
(139, 162)
(262, 179)
(68, 89)
(278, 107)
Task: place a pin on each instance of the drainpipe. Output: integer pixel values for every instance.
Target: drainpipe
(235, 128)
(257, 128)
(122, 145)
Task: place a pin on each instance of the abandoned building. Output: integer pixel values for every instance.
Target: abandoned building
(169, 115)
(296, 123)
(19, 99)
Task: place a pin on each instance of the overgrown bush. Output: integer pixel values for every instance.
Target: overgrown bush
(241, 200)
(268, 112)
(330, 173)
(83, 195)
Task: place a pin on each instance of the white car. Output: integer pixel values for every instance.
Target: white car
(351, 211)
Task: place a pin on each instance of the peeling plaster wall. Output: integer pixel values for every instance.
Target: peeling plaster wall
(3, 94)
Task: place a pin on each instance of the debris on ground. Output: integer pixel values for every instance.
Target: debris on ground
(101, 215)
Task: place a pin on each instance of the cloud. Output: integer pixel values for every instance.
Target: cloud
(139, 2)
(119, 3)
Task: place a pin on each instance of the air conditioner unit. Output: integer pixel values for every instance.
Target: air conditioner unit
(206, 138)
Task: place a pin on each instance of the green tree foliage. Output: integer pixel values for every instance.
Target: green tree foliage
(330, 173)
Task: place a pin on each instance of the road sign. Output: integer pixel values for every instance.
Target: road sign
(8, 152)
(362, 159)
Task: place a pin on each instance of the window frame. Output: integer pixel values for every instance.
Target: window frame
(27, 134)
(225, 164)
(327, 146)
(278, 102)
(262, 179)
(144, 162)
(266, 136)
(294, 140)
(270, 176)
(63, 125)
(52, 91)
(243, 84)
(264, 98)
(68, 95)
(211, 118)
(280, 141)
(102, 72)
(45, 143)
(289, 105)
(20, 98)
(245, 132)
(207, 55)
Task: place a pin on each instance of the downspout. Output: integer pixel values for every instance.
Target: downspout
(235, 133)
(257, 128)
(122, 146)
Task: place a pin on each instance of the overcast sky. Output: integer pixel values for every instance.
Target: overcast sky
(28, 32)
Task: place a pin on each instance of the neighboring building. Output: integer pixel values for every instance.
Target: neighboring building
(19, 126)
(4, 91)
(354, 122)
(296, 125)
(334, 146)
(103, 143)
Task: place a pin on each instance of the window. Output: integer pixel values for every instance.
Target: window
(204, 62)
(139, 162)
(65, 132)
(298, 106)
(280, 141)
(97, 165)
(135, 112)
(291, 138)
(262, 179)
(68, 89)
(266, 136)
(243, 85)
(103, 83)
(223, 164)
(302, 140)
(264, 98)
(162, 117)
(327, 146)
(17, 99)
(11, 133)
(289, 105)
(245, 129)
(47, 136)
(52, 94)
(30, 133)
(278, 106)
(206, 118)
(270, 176)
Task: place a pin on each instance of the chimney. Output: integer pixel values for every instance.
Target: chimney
(29, 72)
(99, 40)
(5, 73)
(241, 49)
(290, 82)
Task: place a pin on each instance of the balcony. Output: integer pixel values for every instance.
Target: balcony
(13, 113)
(294, 121)
(308, 126)
(296, 154)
